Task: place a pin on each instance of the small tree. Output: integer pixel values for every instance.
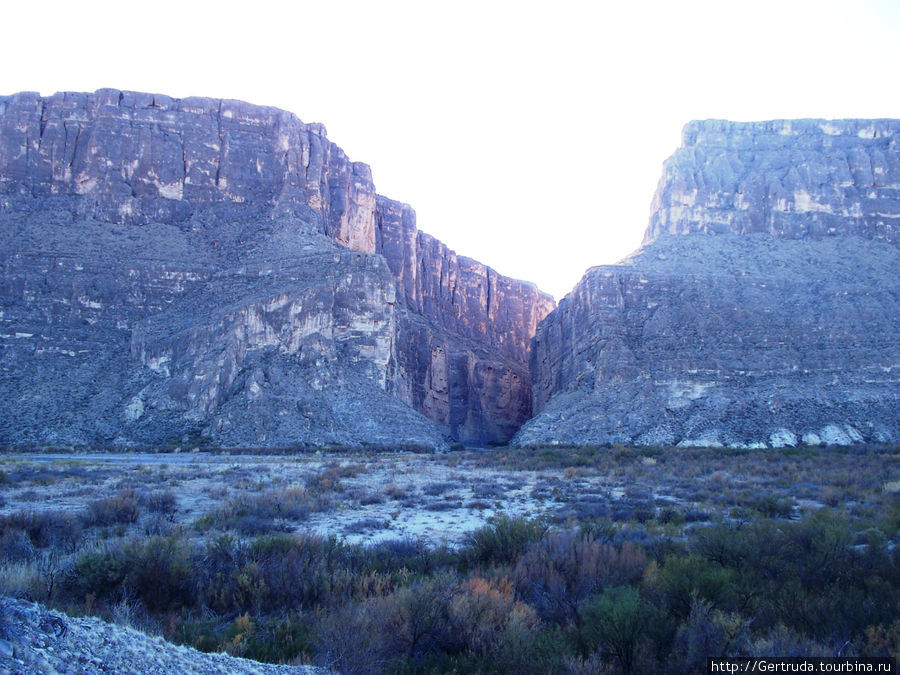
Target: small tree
(616, 621)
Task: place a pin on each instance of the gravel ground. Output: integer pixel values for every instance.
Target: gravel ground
(38, 640)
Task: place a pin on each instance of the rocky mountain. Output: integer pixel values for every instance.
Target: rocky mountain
(183, 268)
(762, 310)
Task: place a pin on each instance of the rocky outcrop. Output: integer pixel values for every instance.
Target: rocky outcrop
(463, 332)
(788, 178)
(763, 309)
(34, 639)
(179, 268)
(140, 158)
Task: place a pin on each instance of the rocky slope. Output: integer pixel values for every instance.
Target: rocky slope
(763, 309)
(181, 268)
(34, 640)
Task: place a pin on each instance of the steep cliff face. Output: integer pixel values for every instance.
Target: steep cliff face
(763, 309)
(139, 158)
(174, 268)
(463, 332)
(788, 178)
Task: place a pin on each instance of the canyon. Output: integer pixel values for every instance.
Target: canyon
(196, 270)
(184, 272)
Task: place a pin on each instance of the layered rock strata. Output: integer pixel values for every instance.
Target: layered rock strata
(176, 269)
(138, 158)
(763, 309)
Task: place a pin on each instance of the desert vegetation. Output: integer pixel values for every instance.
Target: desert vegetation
(552, 559)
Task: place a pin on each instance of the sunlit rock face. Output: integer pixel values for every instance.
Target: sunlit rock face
(762, 311)
(137, 158)
(184, 268)
(789, 178)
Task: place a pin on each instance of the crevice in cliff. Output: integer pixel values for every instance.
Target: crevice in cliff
(221, 155)
(489, 294)
(43, 120)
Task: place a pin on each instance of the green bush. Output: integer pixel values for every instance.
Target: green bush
(100, 573)
(683, 579)
(503, 540)
(616, 621)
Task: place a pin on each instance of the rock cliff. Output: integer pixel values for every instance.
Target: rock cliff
(762, 310)
(463, 332)
(139, 158)
(175, 269)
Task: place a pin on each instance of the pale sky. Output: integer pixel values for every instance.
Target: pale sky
(527, 135)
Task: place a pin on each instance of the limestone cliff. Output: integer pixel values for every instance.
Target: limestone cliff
(763, 309)
(463, 332)
(175, 268)
(139, 158)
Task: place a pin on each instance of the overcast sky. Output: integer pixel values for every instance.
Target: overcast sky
(527, 135)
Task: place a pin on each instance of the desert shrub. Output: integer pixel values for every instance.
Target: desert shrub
(437, 488)
(696, 516)
(772, 506)
(883, 640)
(670, 516)
(351, 639)
(394, 491)
(158, 572)
(706, 632)
(253, 524)
(425, 611)
(441, 505)
(163, 502)
(557, 573)
(275, 572)
(412, 625)
(783, 642)
(262, 513)
(16, 546)
(585, 509)
(276, 639)
(395, 555)
(120, 509)
(369, 498)
(269, 545)
(21, 579)
(503, 540)
(599, 529)
(805, 575)
(617, 621)
(99, 573)
(45, 529)
(201, 634)
(489, 623)
(434, 625)
(329, 480)
(487, 491)
(683, 579)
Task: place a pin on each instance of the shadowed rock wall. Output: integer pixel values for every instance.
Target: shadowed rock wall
(463, 333)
